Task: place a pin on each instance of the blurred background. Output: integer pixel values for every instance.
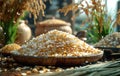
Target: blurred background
(52, 11)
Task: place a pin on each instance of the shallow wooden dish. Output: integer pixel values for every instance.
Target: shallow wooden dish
(113, 49)
(55, 61)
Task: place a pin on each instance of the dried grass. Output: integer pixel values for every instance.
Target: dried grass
(15, 8)
(99, 21)
(118, 18)
(89, 8)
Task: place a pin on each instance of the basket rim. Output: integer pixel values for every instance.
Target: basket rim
(55, 61)
(100, 54)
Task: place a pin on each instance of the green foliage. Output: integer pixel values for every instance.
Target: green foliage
(25, 13)
(99, 22)
(99, 27)
(9, 29)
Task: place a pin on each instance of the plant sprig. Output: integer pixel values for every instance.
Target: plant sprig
(99, 22)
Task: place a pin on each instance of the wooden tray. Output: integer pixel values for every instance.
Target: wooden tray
(55, 61)
(113, 49)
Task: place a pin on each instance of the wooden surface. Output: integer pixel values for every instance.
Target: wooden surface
(111, 68)
(100, 68)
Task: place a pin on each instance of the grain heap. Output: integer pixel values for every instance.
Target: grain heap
(10, 47)
(57, 43)
(111, 40)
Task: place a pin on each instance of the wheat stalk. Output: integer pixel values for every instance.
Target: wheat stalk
(15, 8)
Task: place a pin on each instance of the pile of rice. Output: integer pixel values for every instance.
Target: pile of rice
(10, 47)
(57, 43)
(111, 40)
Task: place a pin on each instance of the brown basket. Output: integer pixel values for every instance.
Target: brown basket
(55, 61)
(51, 24)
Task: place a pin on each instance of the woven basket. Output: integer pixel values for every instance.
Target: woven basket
(51, 24)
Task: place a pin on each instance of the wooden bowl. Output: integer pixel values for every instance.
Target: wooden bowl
(55, 61)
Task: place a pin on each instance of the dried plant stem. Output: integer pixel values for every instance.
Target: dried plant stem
(10, 12)
(99, 22)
